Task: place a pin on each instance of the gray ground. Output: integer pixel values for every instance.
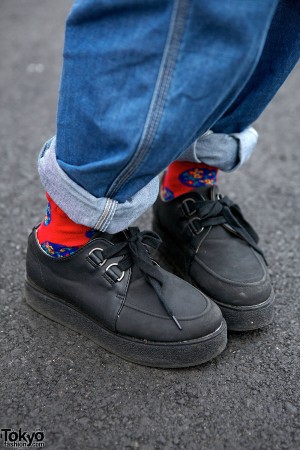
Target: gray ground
(81, 396)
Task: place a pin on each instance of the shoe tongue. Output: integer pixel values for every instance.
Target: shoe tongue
(207, 192)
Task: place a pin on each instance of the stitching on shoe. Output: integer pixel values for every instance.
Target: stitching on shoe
(189, 265)
(167, 317)
(92, 263)
(123, 298)
(227, 280)
(201, 242)
(269, 301)
(108, 279)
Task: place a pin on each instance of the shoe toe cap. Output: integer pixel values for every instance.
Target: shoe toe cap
(144, 317)
(235, 290)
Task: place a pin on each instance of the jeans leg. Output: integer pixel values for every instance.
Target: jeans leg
(280, 55)
(233, 139)
(139, 84)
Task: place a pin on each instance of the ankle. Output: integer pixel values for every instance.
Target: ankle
(58, 235)
(183, 176)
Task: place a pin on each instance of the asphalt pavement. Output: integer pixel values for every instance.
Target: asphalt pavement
(82, 397)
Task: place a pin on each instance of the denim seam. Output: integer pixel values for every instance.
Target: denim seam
(159, 96)
(110, 214)
(105, 215)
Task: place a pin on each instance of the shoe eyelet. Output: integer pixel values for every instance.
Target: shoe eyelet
(219, 196)
(193, 227)
(120, 278)
(95, 258)
(185, 207)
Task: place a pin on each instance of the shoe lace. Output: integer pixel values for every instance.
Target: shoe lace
(135, 253)
(225, 211)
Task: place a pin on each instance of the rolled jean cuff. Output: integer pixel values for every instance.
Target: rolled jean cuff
(103, 214)
(225, 151)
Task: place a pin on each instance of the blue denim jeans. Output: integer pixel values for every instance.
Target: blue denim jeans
(146, 83)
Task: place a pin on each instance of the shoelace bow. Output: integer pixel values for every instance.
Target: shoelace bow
(223, 210)
(134, 252)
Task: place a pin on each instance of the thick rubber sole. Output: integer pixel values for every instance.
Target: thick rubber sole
(147, 353)
(238, 318)
(247, 318)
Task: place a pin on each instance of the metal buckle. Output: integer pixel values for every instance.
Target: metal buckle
(96, 260)
(155, 263)
(185, 207)
(115, 275)
(193, 227)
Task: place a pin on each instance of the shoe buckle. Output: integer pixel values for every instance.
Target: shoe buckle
(94, 257)
(113, 275)
(187, 211)
(194, 225)
(155, 263)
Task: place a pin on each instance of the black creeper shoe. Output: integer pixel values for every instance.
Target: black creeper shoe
(111, 291)
(212, 246)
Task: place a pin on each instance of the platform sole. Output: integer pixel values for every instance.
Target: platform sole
(238, 318)
(248, 318)
(148, 353)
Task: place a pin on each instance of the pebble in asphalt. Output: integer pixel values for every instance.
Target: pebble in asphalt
(85, 398)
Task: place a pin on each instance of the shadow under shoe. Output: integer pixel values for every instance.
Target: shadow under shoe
(211, 245)
(111, 291)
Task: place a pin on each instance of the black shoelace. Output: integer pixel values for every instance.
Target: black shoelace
(134, 252)
(222, 211)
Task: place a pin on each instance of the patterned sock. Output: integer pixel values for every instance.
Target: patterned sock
(183, 176)
(58, 235)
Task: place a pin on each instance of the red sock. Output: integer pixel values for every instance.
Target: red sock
(183, 176)
(58, 235)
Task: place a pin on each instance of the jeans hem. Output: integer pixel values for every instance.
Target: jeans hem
(227, 152)
(103, 214)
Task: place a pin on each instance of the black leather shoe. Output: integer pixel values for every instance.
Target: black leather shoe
(114, 293)
(207, 240)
